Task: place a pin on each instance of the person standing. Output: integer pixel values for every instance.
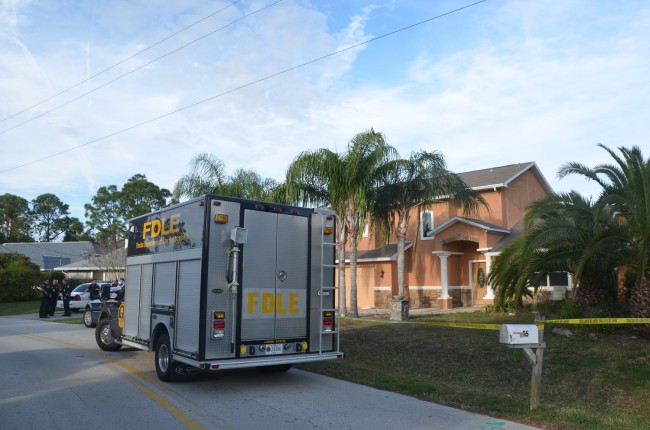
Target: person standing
(54, 295)
(105, 291)
(44, 289)
(93, 289)
(66, 289)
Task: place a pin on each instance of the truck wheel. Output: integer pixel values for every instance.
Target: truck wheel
(104, 338)
(88, 319)
(276, 368)
(165, 366)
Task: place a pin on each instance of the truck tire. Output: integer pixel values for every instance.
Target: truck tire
(166, 368)
(276, 368)
(104, 338)
(88, 319)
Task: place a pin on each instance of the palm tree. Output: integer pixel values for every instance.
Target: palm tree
(315, 178)
(207, 176)
(420, 181)
(626, 189)
(563, 233)
(249, 184)
(323, 177)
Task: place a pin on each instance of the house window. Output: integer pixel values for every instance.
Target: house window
(426, 225)
(558, 278)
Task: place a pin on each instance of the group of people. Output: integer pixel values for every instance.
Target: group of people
(50, 294)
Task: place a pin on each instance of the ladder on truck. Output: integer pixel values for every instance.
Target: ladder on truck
(326, 290)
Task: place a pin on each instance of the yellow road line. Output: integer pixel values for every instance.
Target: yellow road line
(181, 416)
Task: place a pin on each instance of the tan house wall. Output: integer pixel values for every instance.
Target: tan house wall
(374, 282)
(523, 190)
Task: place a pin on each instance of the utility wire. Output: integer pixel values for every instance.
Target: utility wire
(118, 63)
(137, 68)
(373, 39)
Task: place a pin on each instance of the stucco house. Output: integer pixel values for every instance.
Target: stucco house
(447, 263)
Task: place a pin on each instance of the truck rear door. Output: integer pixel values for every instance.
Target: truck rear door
(274, 280)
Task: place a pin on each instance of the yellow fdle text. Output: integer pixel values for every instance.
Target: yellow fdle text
(157, 227)
(269, 303)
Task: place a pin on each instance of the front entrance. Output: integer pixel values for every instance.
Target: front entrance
(479, 282)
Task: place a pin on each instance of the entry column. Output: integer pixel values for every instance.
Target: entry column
(445, 300)
(489, 291)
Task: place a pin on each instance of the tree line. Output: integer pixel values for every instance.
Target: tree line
(47, 219)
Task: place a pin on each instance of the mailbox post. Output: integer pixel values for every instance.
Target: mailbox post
(530, 339)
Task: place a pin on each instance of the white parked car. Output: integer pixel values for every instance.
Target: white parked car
(80, 296)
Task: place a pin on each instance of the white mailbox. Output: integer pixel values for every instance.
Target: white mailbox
(519, 334)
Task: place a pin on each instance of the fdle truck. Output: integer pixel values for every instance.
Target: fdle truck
(219, 282)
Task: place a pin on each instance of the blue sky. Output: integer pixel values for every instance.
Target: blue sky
(497, 83)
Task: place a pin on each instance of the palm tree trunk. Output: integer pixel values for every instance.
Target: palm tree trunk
(354, 310)
(352, 223)
(400, 267)
(340, 248)
(640, 301)
(402, 227)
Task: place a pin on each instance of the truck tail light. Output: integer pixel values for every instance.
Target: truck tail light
(328, 320)
(218, 324)
(328, 228)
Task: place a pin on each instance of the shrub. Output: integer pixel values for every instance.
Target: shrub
(570, 309)
(508, 306)
(17, 276)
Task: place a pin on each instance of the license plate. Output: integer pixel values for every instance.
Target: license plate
(273, 349)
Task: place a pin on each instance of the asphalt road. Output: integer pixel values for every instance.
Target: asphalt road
(53, 376)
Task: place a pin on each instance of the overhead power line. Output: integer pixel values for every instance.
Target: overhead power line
(118, 63)
(339, 51)
(136, 69)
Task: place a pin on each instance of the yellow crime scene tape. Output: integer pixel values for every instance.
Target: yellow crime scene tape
(460, 325)
(539, 323)
(599, 321)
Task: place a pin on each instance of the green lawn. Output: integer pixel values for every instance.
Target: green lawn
(22, 308)
(589, 381)
(19, 308)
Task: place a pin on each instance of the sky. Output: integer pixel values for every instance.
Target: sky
(93, 92)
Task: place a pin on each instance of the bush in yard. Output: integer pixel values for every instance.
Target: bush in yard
(570, 309)
(17, 276)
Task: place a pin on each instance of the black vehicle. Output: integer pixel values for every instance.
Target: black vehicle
(93, 310)
(109, 324)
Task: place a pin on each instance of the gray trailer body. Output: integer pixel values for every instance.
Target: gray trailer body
(234, 283)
